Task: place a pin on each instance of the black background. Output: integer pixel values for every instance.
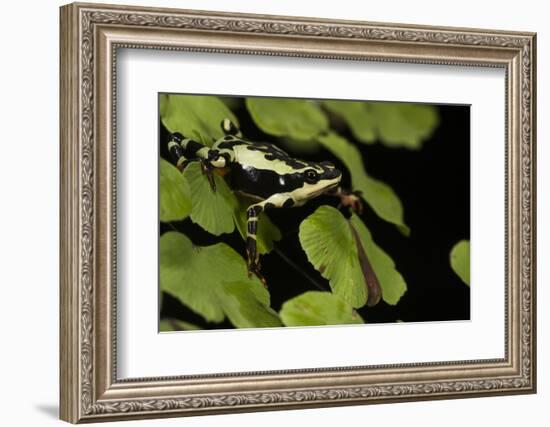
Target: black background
(433, 184)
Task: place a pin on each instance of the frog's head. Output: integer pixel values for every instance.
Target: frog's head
(317, 179)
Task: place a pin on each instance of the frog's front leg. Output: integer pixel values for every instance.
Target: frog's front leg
(184, 150)
(177, 151)
(252, 214)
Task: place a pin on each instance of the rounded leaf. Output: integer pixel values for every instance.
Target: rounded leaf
(361, 124)
(403, 124)
(394, 124)
(460, 260)
(212, 210)
(330, 244)
(294, 118)
(213, 282)
(197, 117)
(174, 193)
(316, 308)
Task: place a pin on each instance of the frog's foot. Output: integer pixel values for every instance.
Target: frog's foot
(182, 164)
(351, 199)
(254, 268)
(207, 170)
(348, 199)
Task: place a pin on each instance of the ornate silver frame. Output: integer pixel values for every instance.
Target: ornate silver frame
(90, 36)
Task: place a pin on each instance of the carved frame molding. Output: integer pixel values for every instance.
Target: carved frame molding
(90, 37)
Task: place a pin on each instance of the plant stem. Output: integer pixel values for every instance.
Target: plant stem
(173, 227)
(298, 269)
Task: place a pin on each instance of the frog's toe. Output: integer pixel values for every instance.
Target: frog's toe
(254, 269)
(352, 200)
(260, 276)
(181, 165)
(357, 205)
(209, 175)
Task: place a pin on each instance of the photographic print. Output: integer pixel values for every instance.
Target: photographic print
(281, 212)
(318, 234)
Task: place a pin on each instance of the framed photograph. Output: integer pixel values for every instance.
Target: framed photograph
(267, 212)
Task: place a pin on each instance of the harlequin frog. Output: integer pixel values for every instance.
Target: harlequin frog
(264, 173)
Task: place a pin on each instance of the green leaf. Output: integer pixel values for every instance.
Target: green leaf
(460, 260)
(219, 211)
(316, 308)
(267, 232)
(195, 116)
(392, 283)
(303, 146)
(402, 124)
(213, 282)
(174, 193)
(329, 243)
(395, 124)
(248, 307)
(212, 210)
(172, 325)
(232, 102)
(355, 114)
(379, 195)
(294, 118)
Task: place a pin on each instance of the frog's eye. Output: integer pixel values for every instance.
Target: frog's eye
(311, 176)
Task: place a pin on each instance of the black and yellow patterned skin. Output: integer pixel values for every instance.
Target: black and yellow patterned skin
(261, 171)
